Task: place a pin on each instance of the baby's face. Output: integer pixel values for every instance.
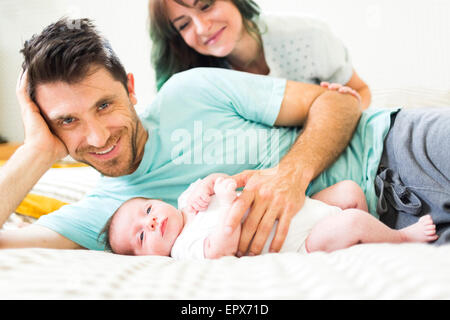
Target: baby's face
(145, 227)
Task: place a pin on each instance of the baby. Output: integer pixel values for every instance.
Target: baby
(334, 218)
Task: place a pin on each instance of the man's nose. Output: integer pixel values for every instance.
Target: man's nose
(98, 135)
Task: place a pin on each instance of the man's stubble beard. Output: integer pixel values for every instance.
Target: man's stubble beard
(132, 162)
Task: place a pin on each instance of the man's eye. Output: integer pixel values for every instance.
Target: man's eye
(67, 121)
(149, 209)
(205, 7)
(103, 106)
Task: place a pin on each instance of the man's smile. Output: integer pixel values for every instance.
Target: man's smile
(108, 153)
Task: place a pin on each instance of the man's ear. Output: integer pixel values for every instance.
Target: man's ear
(130, 87)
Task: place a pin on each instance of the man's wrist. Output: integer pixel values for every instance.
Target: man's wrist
(298, 174)
(42, 159)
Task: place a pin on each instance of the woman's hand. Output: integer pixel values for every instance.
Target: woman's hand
(341, 89)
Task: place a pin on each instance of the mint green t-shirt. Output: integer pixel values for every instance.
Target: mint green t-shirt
(208, 120)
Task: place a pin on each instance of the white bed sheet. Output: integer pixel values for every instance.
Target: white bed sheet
(370, 271)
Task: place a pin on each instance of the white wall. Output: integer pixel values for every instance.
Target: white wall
(124, 23)
(393, 43)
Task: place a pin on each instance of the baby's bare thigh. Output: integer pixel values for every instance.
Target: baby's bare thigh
(336, 231)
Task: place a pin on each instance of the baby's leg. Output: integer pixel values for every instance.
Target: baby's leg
(346, 194)
(354, 226)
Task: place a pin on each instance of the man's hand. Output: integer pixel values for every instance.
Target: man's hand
(37, 133)
(270, 194)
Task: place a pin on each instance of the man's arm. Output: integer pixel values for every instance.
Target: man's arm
(35, 236)
(329, 119)
(21, 172)
(18, 176)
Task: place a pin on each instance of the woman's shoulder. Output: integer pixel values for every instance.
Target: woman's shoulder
(279, 23)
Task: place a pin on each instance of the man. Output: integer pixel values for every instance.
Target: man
(77, 99)
(87, 101)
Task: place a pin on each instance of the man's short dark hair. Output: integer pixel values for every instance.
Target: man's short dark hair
(65, 51)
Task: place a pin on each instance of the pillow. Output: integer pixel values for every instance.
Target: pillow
(64, 183)
(410, 97)
(35, 205)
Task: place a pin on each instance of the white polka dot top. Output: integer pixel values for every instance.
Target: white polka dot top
(303, 49)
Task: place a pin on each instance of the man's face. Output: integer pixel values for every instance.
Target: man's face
(96, 120)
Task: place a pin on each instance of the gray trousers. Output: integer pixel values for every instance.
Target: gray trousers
(414, 173)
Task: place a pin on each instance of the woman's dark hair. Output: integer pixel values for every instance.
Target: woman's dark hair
(65, 51)
(170, 54)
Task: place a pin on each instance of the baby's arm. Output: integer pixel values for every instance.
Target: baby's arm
(219, 244)
(345, 195)
(200, 196)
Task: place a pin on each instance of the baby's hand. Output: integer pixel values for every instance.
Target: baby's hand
(199, 198)
(225, 190)
(341, 89)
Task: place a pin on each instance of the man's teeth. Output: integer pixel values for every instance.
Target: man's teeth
(106, 151)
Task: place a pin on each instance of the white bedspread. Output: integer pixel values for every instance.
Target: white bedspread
(375, 271)
(370, 271)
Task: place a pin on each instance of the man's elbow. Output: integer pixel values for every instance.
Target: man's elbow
(352, 106)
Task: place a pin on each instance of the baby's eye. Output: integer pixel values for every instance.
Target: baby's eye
(149, 209)
(141, 236)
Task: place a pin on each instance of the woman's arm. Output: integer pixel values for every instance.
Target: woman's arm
(362, 88)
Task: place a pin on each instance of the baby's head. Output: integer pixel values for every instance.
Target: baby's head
(144, 226)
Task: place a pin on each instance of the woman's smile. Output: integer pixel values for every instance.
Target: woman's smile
(215, 37)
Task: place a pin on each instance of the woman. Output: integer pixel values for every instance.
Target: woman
(231, 34)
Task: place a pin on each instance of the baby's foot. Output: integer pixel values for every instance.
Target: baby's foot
(423, 230)
(225, 190)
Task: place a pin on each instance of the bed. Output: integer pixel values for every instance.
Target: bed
(369, 271)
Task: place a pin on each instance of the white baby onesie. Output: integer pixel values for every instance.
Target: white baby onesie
(190, 243)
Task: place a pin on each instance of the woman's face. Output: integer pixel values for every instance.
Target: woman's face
(210, 29)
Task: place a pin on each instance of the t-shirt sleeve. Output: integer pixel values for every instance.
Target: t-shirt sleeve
(82, 222)
(254, 97)
(332, 59)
